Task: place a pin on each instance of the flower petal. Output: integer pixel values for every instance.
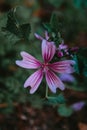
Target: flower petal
(78, 106)
(34, 81)
(53, 81)
(46, 35)
(41, 38)
(63, 66)
(48, 50)
(38, 36)
(67, 78)
(63, 46)
(28, 61)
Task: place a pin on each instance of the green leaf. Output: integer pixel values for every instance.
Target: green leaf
(26, 29)
(56, 100)
(47, 26)
(20, 30)
(65, 111)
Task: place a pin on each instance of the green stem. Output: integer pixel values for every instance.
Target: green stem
(46, 92)
(46, 95)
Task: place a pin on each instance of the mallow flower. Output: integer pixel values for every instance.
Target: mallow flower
(45, 68)
(63, 48)
(78, 106)
(67, 78)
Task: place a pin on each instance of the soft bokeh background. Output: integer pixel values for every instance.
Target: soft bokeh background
(19, 109)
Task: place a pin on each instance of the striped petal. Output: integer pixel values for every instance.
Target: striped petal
(63, 66)
(28, 61)
(48, 50)
(34, 81)
(53, 81)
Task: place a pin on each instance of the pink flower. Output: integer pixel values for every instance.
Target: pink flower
(62, 46)
(59, 51)
(78, 106)
(62, 49)
(67, 78)
(46, 68)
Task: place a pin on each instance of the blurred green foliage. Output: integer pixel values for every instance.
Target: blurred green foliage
(14, 37)
(72, 17)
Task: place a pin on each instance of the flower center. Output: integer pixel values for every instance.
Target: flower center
(45, 67)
